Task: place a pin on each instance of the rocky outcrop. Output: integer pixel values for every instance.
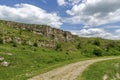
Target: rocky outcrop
(51, 35)
(47, 31)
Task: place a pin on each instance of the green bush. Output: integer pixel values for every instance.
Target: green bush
(1, 41)
(110, 45)
(35, 44)
(58, 47)
(96, 42)
(79, 46)
(14, 45)
(98, 52)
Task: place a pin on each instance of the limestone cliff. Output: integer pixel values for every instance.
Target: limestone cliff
(52, 34)
(44, 30)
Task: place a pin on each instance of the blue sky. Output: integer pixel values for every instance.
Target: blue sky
(88, 18)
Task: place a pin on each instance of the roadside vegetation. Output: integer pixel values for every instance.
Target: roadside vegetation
(26, 61)
(20, 59)
(105, 70)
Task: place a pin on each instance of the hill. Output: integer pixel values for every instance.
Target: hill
(30, 48)
(44, 36)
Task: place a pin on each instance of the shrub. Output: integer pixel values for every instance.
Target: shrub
(98, 52)
(20, 32)
(58, 47)
(110, 45)
(67, 52)
(96, 42)
(14, 45)
(79, 46)
(35, 44)
(1, 41)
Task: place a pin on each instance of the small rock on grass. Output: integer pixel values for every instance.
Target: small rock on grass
(10, 54)
(5, 63)
(1, 58)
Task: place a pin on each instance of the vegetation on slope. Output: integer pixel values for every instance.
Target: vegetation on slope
(20, 47)
(86, 46)
(25, 59)
(105, 70)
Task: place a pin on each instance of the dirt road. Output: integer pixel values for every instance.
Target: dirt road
(68, 72)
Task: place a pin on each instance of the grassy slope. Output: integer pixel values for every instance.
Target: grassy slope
(26, 59)
(34, 60)
(99, 70)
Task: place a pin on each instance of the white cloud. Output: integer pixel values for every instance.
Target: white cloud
(96, 32)
(94, 12)
(31, 14)
(73, 2)
(61, 2)
(69, 2)
(118, 31)
(96, 16)
(111, 27)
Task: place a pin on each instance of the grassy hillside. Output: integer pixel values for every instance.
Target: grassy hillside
(106, 70)
(86, 46)
(20, 48)
(26, 59)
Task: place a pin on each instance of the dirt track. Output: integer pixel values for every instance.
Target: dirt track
(68, 72)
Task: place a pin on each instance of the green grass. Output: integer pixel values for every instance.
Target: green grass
(28, 61)
(98, 70)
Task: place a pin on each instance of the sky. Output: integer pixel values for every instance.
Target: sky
(86, 18)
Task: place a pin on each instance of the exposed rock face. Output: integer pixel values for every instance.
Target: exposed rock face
(6, 39)
(52, 35)
(44, 30)
(17, 40)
